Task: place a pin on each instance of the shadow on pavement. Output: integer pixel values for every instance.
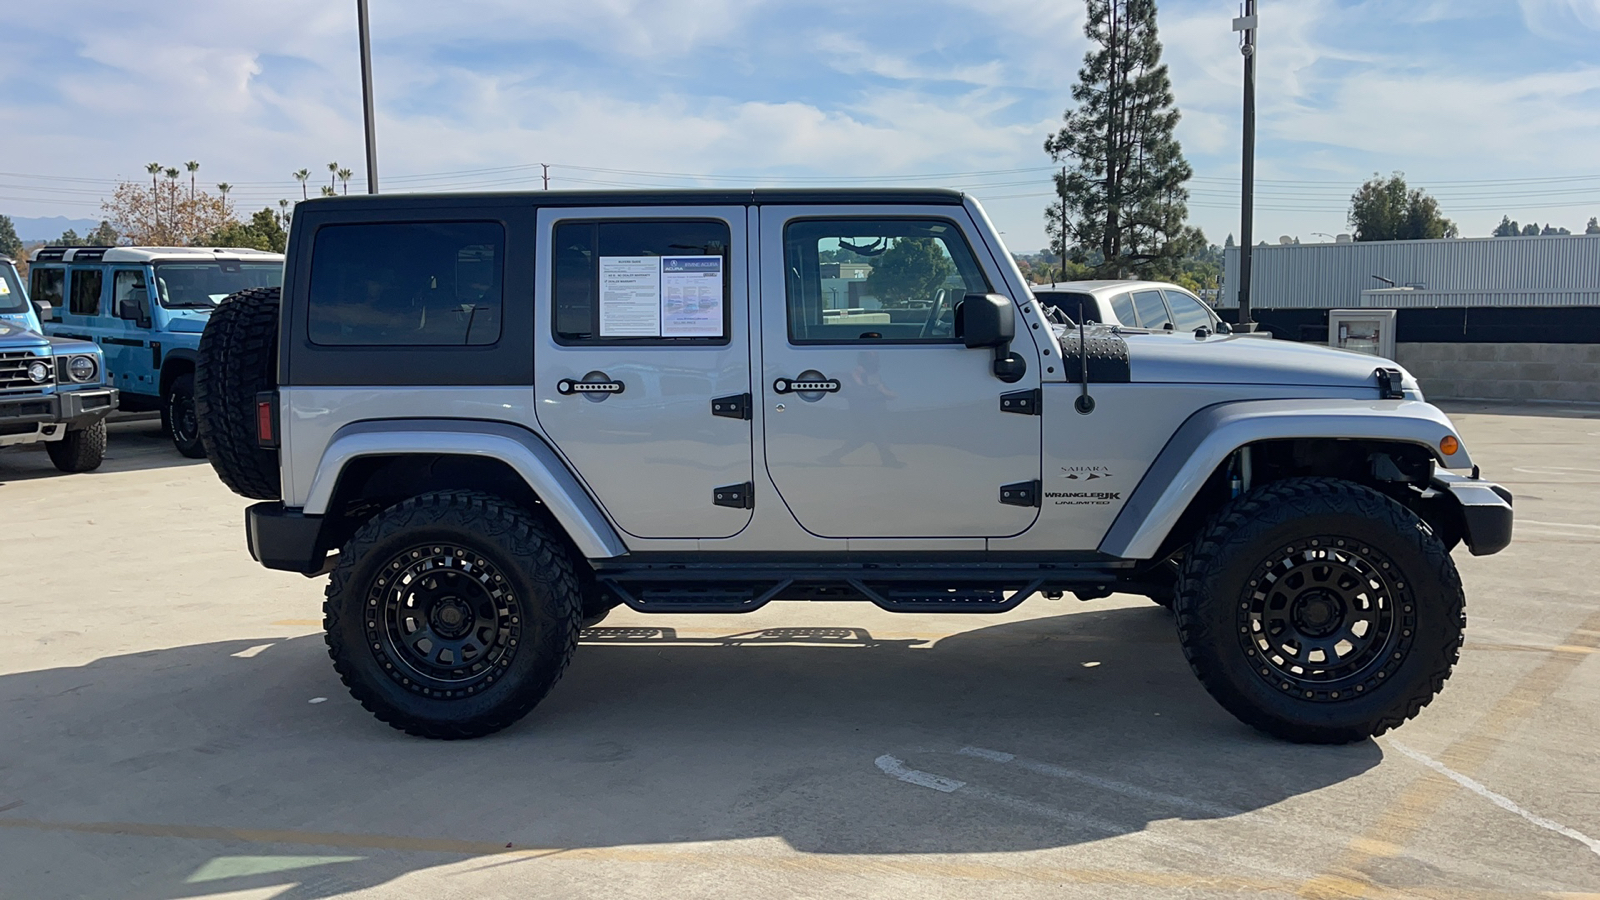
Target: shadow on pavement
(1087, 725)
(133, 443)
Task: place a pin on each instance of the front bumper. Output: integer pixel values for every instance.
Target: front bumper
(1484, 511)
(76, 409)
(283, 538)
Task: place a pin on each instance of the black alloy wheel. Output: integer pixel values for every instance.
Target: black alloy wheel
(1325, 620)
(443, 619)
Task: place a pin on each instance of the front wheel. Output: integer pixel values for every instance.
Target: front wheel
(451, 615)
(178, 406)
(80, 449)
(1320, 611)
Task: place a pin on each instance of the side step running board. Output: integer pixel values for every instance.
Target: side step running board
(916, 598)
(697, 599)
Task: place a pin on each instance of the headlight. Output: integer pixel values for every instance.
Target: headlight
(38, 373)
(83, 369)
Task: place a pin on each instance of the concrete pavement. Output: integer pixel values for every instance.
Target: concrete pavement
(172, 727)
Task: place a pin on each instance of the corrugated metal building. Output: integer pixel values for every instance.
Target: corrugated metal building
(1554, 270)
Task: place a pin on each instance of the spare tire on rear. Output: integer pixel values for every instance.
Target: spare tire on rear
(238, 358)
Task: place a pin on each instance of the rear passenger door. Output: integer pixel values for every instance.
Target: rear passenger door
(642, 364)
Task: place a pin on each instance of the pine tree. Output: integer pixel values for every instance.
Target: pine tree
(1123, 191)
(1508, 227)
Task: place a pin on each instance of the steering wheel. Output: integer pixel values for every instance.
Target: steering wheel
(936, 325)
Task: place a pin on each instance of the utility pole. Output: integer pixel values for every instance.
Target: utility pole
(366, 96)
(1063, 226)
(1247, 45)
(546, 167)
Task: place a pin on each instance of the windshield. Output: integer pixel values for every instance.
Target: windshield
(12, 300)
(202, 285)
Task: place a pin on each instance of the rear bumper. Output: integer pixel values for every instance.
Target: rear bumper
(283, 538)
(76, 409)
(1485, 509)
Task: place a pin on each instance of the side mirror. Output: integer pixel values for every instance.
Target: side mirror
(985, 320)
(128, 308)
(43, 310)
(1223, 327)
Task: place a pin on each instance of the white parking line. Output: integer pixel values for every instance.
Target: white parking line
(1119, 787)
(1558, 524)
(896, 768)
(248, 652)
(1499, 800)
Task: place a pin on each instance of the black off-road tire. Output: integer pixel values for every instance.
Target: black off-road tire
(179, 413)
(238, 358)
(411, 574)
(1299, 564)
(80, 450)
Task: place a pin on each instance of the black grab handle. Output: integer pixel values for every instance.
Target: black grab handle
(818, 385)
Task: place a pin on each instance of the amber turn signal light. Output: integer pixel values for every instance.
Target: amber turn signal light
(1448, 445)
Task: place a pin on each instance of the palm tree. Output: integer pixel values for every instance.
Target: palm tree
(344, 176)
(302, 176)
(223, 189)
(193, 167)
(329, 192)
(172, 192)
(333, 172)
(283, 212)
(154, 169)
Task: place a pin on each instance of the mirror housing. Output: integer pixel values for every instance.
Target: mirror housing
(985, 320)
(43, 310)
(1223, 327)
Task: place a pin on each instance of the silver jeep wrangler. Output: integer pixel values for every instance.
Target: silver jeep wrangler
(494, 417)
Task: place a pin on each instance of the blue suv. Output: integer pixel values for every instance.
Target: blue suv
(146, 307)
(52, 390)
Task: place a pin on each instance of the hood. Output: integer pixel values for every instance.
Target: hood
(14, 336)
(1237, 359)
(187, 321)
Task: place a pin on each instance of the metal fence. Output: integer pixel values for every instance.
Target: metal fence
(1550, 270)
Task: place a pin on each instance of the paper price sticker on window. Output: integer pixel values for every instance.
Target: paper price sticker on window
(630, 296)
(661, 296)
(691, 296)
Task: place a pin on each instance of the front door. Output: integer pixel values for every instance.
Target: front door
(127, 351)
(879, 423)
(643, 366)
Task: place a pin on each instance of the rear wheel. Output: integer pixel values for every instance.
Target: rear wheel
(451, 615)
(178, 413)
(1320, 611)
(80, 450)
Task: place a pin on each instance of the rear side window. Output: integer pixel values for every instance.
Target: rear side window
(1122, 306)
(417, 284)
(1187, 313)
(1071, 304)
(632, 282)
(47, 286)
(86, 284)
(1152, 312)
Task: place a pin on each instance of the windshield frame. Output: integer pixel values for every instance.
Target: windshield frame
(163, 297)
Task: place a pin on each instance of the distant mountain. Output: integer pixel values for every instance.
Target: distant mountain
(49, 228)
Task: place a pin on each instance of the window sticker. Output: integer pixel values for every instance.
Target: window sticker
(630, 296)
(4, 288)
(691, 296)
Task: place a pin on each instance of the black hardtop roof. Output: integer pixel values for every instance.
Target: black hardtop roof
(650, 197)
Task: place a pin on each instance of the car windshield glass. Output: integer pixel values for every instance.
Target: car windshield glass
(12, 300)
(202, 285)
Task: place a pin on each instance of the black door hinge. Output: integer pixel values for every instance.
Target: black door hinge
(1023, 493)
(735, 407)
(1026, 403)
(735, 496)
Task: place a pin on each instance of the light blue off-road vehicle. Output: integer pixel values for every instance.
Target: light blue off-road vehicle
(52, 390)
(146, 306)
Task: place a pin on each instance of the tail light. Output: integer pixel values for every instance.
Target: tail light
(267, 420)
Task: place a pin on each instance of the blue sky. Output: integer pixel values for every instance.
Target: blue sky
(1493, 105)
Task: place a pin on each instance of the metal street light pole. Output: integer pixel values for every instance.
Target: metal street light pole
(1247, 45)
(366, 96)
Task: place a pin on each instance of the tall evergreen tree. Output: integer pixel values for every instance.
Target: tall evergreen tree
(1122, 193)
(1385, 210)
(1508, 227)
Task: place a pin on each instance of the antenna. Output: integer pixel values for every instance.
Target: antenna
(1085, 403)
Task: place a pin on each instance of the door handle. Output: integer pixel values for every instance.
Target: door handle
(569, 387)
(809, 382)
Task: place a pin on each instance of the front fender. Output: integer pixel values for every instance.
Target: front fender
(1207, 438)
(523, 451)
